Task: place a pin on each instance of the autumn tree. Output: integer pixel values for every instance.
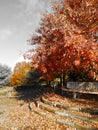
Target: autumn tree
(67, 40)
(5, 73)
(20, 73)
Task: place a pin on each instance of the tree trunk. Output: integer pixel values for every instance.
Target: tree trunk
(62, 80)
(49, 83)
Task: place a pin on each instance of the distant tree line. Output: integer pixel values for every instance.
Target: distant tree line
(5, 74)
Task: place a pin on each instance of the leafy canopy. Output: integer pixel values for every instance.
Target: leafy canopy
(67, 40)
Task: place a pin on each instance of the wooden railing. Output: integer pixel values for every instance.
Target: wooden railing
(77, 88)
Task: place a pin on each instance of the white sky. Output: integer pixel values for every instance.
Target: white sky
(18, 20)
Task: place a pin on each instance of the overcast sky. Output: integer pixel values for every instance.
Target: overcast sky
(18, 20)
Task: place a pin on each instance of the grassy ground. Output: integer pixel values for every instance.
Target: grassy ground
(15, 113)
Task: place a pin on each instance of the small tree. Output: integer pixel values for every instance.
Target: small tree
(20, 72)
(5, 73)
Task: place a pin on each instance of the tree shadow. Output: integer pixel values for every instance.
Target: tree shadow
(28, 93)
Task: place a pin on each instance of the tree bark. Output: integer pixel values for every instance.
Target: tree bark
(62, 80)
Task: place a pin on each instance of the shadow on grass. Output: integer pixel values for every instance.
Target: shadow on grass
(28, 93)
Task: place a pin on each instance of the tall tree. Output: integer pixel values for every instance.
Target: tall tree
(68, 40)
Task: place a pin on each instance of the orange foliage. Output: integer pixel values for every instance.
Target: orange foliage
(20, 72)
(68, 39)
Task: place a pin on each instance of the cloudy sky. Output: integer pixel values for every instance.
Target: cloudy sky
(18, 20)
